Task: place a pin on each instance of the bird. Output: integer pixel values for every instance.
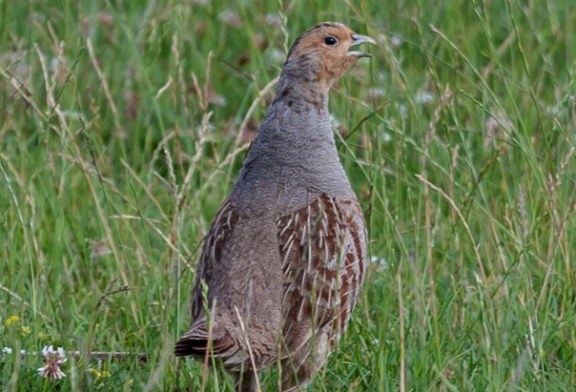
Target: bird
(282, 265)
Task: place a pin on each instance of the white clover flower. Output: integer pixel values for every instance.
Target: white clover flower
(386, 137)
(380, 261)
(424, 97)
(396, 41)
(52, 359)
(275, 56)
(273, 20)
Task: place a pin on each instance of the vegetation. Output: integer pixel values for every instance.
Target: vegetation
(124, 123)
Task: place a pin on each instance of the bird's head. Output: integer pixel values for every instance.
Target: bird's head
(322, 54)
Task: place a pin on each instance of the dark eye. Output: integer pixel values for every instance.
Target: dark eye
(330, 40)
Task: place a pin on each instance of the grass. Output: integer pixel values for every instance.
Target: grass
(120, 130)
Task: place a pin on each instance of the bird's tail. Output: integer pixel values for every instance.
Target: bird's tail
(200, 341)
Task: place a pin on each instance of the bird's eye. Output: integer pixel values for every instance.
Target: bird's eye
(330, 40)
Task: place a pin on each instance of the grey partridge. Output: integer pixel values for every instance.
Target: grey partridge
(283, 262)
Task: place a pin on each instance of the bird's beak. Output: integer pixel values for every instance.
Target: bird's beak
(358, 39)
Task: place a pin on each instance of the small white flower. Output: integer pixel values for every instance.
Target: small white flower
(396, 41)
(423, 97)
(56, 63)
(275, 56)
(402, 110)
(498, 121)
(6, 350)
(498, 127)
(47, 350)
(51, 371)
(230, 18)
(273, 20)
(99, 249)
(381, 261)
(386, 137)
(553, 110)
(61, 353)
(375, 93)
(52, 359)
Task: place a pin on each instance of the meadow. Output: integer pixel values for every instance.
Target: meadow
(124, 123)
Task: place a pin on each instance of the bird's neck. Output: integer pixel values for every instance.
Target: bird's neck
(303, 84)
(298, 120)
(294, 154)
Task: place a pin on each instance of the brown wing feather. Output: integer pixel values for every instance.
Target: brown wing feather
(196, 341)
(212, 249)
(323, 247)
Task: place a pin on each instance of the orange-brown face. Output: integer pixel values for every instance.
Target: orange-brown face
(326, 49)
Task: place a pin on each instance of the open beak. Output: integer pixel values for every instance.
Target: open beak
(358, 39)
